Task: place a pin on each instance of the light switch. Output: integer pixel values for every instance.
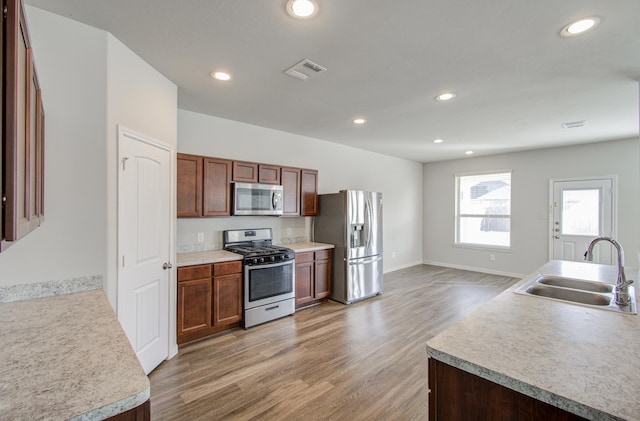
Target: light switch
(200, 237)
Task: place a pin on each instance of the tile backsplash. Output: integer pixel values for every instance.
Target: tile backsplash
(285, 230)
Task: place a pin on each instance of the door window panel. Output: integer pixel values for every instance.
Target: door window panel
(581, 212)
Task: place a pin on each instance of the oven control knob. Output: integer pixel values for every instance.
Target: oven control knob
(261, 260)
(272, 258)
(254, 261)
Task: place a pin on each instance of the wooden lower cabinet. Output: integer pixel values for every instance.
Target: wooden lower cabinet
(455, 395)
(209, 300)
(313, 277)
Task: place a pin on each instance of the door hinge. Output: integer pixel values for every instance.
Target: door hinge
(124, 160)
(122, 260)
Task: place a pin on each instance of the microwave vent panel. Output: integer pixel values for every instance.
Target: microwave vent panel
(304, 70)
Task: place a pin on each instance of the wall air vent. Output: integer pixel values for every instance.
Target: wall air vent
(305, 69)
(573, 124)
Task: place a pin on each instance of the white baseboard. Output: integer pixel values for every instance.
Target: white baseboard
(408, 265)
(475, 269)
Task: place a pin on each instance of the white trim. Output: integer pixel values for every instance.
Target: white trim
(614, 204)
(472, 246)
(475, 269)
(408, 265)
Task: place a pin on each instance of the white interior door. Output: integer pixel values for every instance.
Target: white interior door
(144, 224)
(582, 210)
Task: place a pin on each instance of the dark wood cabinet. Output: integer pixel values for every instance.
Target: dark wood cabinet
(290, 180)
(313, 277)
(141, 412)
(455, 394)
(203, 186)
(268, 174)
(245, 172)
(189, 185)
(209, 299)
(309, 192)
(22, 130)
(217, 188)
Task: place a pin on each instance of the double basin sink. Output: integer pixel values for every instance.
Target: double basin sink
(578, 291)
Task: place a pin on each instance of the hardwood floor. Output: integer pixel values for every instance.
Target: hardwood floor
(366, 361)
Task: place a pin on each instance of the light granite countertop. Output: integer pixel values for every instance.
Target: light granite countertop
(218, 256)
(574, 357)
(206, 257)
(66, 357)
(308, 246)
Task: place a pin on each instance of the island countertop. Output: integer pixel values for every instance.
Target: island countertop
(67, 357)
(574, 357)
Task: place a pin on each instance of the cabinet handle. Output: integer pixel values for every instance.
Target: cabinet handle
(167, 265)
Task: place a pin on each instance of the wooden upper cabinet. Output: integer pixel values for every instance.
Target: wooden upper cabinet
(217, 187)
(309, 192)
(268, 174)
(189, 185)
(290, 178)
(23, 129)
(245, 172)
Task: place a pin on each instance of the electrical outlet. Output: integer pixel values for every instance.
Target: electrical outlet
(200, 237)
(288, 232)
(492, 257)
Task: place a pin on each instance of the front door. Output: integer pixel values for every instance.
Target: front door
(582, 211)
(143, 246)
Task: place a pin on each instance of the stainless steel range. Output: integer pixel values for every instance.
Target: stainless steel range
(268, 275)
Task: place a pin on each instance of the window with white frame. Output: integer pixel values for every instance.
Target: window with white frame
(483, 209)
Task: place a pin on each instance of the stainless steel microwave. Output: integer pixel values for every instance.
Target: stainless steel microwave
(257, 199)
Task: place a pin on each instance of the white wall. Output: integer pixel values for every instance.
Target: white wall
(71, 64)
(340, 167)
(138, 98)
(530, 199)
(91, 83)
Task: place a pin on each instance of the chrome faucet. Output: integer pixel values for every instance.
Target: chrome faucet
(622, 284)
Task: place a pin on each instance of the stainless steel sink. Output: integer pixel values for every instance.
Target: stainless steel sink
(577, 291)
(558, 281)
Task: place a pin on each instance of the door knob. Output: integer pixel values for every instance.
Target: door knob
(167, 265)
(557, 237)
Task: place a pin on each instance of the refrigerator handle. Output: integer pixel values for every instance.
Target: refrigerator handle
(352, 262)
(369, 219)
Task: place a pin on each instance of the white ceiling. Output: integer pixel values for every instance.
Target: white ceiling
(516, 79)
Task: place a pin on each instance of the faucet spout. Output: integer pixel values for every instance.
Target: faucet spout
(622, 285)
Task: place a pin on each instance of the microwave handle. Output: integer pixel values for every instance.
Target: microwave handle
(275, 199)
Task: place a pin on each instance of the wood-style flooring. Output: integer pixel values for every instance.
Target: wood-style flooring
(365, 361)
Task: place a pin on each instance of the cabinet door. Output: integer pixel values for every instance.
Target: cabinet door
(245, 172)
(322, 278)
(194, 308)
(290, 178)
(268, 174)
(304, 282)
(217, 190)
(227, 299)
(189, 185)
(309, 192)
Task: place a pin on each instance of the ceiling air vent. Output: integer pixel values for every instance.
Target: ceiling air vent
(305, 69)
(573, 124)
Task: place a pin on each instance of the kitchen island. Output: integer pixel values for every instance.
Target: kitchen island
(579, 359)
(67, 357)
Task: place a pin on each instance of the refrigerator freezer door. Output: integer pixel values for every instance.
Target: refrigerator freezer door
(364, 278)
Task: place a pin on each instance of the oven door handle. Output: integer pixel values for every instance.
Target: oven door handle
(270, 265)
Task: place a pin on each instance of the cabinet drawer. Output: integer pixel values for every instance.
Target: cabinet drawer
(304, 257)
(226, 268)
(188, 273)
(323, 254)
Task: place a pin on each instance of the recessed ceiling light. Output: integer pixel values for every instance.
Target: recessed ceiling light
(468, 153)
(446, 96)
(220, 75)
(359, 120)
(438, 141)
(302, 9)
(579, 27)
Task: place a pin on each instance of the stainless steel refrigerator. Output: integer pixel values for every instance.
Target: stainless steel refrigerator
(352, 221)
